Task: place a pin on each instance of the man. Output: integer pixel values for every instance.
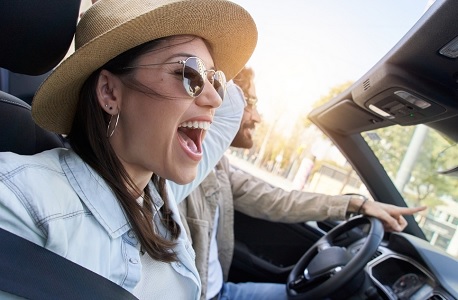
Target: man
(208, 213)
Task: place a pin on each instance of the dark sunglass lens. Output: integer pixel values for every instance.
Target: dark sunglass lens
(193, 80)
(219, 83)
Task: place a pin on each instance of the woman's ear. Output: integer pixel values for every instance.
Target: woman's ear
(108, 92)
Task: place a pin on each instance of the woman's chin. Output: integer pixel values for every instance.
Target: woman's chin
(185, 177)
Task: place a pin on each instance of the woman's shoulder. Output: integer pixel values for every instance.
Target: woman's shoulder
(49, 159)
(37, 178)
(35, 190)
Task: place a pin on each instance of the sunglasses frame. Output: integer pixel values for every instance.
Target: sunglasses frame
(203, 73)
(251, 100)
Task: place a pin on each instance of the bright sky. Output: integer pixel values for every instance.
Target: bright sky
(306, 47)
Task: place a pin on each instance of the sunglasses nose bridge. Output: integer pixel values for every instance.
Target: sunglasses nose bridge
(216, 79)
(212, 101)
(209, 96)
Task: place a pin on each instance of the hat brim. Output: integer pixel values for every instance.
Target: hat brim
(227, 27)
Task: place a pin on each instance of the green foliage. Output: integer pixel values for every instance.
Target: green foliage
(425, 186)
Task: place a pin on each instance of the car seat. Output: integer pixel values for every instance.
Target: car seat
(20, 134)
(34, 37)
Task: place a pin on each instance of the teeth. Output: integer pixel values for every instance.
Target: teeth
(196, 124)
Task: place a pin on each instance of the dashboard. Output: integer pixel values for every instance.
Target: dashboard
(399, 277)
(409, 268)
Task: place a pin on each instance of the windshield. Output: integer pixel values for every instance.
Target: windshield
(324, 60)
(412, 157)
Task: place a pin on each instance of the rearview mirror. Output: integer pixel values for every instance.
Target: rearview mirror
(447, 161)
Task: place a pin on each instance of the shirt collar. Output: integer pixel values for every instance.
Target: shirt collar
(95, 194)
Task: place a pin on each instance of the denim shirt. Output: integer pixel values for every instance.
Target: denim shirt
(57, 201)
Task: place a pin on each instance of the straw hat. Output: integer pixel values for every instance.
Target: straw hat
(110, 27)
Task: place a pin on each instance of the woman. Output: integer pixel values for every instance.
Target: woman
(136, 100)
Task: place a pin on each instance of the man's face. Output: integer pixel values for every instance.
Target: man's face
(244, 137)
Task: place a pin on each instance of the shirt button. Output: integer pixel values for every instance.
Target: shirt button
(131, 234)
(133, 261)
(178, 264)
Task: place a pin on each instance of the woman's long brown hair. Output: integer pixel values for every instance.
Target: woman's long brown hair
(88, 139)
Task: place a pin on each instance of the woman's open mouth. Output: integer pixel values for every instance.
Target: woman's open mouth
(191, 135)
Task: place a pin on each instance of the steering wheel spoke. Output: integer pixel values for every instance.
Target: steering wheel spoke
(324, 274)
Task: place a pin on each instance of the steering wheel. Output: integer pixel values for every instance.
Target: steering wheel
(325, 267)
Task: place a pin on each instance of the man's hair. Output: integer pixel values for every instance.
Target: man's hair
(244, 79)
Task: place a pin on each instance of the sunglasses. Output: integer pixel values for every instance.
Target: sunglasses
(251, 101)
(194, 75)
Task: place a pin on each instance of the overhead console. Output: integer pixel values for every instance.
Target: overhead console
(400, 97)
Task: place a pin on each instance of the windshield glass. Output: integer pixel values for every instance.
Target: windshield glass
(412, 157)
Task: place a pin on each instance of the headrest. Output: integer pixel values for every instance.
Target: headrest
(35, 35)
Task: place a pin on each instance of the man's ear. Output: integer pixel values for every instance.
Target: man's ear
(109, 92)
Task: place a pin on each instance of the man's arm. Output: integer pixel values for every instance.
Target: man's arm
(257, 198)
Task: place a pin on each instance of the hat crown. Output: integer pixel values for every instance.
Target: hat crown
(105, 15)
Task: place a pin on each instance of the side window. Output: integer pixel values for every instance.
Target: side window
(318, 167)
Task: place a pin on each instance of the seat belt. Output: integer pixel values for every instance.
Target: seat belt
(33, 272)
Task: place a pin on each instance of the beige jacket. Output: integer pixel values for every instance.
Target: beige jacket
(234, 189)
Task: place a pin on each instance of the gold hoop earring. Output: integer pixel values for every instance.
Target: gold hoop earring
(109, 134)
